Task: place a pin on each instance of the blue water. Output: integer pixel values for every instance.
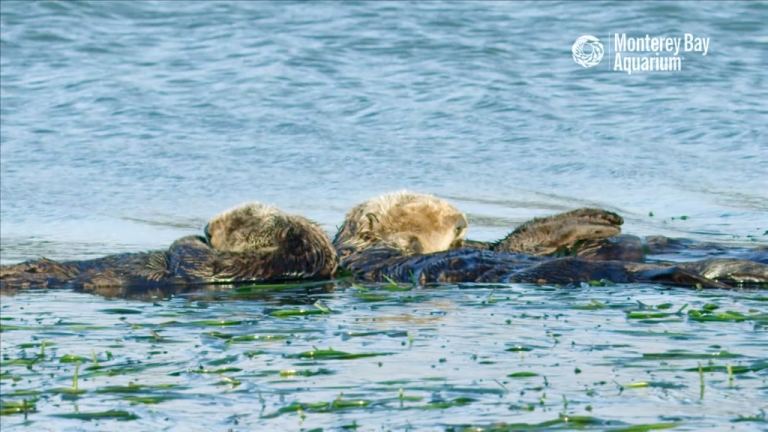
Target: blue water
(127, 124)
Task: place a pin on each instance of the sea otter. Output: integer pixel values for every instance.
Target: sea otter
(404, 237)
(252, 242)
(410, 222)
(415, 223)
(577, 246)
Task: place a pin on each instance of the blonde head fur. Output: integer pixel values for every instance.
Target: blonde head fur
(410, 222)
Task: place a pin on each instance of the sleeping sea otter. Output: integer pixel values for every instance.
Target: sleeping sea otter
(577, 246)
(251, 242)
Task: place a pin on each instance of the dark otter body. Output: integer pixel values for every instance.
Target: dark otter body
(478, 265)
(572, 247)
(188, 261)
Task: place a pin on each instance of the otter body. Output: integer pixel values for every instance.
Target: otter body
(405, 237)
(249, 243)
(581, 245)
(487, 266)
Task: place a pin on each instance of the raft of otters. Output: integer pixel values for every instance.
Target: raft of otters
(403, 237)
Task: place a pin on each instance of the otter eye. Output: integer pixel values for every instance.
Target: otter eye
(372, 218)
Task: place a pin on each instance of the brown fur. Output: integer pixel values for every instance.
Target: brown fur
(548, 235)
(250, 243)
(251, 227)
(257, 233)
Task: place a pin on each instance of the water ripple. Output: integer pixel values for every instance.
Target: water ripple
(124, 109)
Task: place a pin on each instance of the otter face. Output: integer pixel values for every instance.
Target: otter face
(260, 243)
(249, 227)
(424, 226)
(412, 223)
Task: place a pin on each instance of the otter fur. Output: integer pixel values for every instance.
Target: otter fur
(557, 233)
(295, 245)
(249, 243)
(408, 222)
(419, 238)
(402, 236)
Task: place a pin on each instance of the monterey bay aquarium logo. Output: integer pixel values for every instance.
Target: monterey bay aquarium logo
(638, 54)
(587, 51)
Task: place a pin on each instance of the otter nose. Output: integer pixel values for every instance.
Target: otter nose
(415, 246)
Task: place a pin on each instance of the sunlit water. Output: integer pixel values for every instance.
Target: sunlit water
(126, 125)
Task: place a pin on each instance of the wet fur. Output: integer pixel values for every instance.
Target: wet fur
(548, 235)
(588, 237)
(250, 243)
(256, 241)
(402, 236)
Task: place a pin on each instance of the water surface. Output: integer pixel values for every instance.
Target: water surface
(126, 125)
(389, 358)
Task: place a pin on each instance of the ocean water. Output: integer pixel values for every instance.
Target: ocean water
(337, 357)
(125, 125)
(128, 124)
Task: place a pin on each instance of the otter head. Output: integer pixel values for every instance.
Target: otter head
(249, 227)
(409, 222)
(261, 242)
